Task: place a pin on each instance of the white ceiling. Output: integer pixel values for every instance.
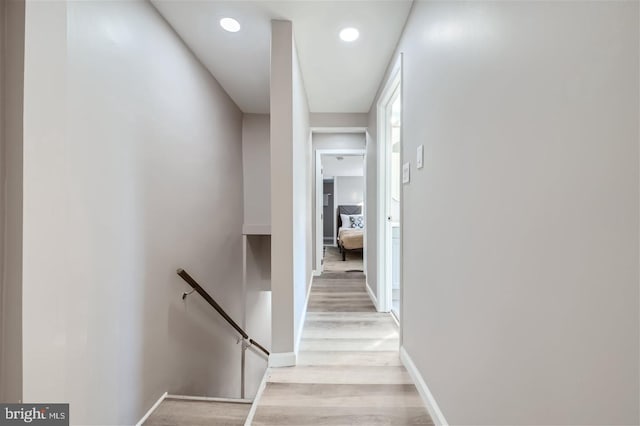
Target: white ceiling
(339, 76)
(350, 165)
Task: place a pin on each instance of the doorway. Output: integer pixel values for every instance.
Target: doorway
(340, 195)
(390, 195)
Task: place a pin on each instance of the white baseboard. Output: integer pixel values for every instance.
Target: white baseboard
(316, 273)
(395, 318)
(256, 400)
(372, 296)
(210, 399)
(152, 409)
(282, 359)
(303, 317)
(423, 390)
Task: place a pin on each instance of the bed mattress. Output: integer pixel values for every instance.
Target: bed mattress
(351, 238)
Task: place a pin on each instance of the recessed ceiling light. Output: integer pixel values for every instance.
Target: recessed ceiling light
(349, 34)
(230, 24)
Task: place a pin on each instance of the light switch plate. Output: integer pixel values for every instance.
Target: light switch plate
(420, 159)
(406, 168)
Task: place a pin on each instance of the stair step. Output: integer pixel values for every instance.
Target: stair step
(191, 411)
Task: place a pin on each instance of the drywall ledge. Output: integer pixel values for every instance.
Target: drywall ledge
(256, 229)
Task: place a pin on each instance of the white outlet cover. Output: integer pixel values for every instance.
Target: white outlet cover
(420, 155)
(406, 168)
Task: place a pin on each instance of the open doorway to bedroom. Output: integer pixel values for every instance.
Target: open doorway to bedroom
(340, 242)
(343, 212)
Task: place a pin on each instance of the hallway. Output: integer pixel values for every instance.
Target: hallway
(348, 371)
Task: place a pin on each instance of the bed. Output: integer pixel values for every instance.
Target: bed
(351, 239)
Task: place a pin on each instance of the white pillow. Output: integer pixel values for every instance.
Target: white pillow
(346, 222)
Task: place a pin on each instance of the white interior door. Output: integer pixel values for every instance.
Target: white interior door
(392, 203)
(319, 216)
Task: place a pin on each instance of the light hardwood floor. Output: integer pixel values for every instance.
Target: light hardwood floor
(349, 371)
(333, 260)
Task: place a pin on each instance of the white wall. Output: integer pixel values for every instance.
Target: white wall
(323, 120)
(282, 321)
(11, 107)
(258, 308)
(132, 168)
(291, 204)
(338, 141)
(302, 201)
(348, 165)
(521, 252)
(256, 169)
(350, 190)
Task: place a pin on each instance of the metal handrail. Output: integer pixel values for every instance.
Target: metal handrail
(206, 296)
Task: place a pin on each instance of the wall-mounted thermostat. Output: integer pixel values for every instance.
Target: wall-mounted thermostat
(420, 159)
(405, 172)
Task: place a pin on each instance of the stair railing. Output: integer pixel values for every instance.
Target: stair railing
(246, 341)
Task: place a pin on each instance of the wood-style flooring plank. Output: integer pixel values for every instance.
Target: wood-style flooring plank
(173, 412)
(358, 358)
(345, 395)
(340, 374)
(349, 316)
(335, 416)
(391, 344)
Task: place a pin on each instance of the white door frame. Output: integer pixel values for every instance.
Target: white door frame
(319, 201)
(385, 283)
